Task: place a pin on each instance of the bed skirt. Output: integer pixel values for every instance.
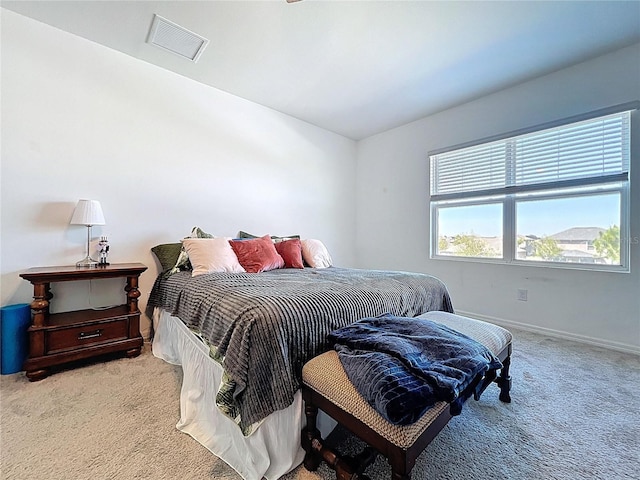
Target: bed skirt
(271, 451)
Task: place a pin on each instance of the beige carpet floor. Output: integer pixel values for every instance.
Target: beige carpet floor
(575, 415)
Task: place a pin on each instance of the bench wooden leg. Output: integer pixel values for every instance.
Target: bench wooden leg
(346, 468)
(504, 381)
(400, 476)
(402, 461)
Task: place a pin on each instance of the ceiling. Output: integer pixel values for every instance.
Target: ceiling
(357, 68)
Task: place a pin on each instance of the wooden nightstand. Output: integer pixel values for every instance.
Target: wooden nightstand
(64, 337)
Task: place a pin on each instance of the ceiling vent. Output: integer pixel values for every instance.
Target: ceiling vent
(174, 38)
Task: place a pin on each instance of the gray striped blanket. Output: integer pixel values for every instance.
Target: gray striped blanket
(264, 327)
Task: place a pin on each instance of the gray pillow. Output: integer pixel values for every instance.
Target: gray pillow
(274, 238)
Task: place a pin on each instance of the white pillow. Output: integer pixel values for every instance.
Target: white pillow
(315, 253)
(209, 255)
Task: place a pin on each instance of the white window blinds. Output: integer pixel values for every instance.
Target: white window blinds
(586, 152)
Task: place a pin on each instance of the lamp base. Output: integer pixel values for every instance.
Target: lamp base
(87, 262)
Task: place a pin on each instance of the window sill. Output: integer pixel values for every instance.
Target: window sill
(535, 264)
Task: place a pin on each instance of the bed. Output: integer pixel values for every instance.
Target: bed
(242, 339)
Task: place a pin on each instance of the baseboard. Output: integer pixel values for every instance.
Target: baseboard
(598, 342)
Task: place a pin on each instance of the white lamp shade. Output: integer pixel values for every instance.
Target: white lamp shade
(88, 212)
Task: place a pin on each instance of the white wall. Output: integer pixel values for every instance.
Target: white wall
(393, 197)
(160, 152)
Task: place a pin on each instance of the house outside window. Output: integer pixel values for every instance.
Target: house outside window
(553, 195)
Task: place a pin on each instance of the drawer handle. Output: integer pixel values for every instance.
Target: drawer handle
(87, 335)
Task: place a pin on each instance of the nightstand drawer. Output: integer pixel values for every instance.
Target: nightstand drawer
(73, 338)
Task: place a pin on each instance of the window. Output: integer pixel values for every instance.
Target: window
(551, 195)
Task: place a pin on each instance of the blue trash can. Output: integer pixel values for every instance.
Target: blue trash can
(14, 338)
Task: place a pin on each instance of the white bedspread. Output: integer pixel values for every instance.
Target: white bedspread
(269, 452)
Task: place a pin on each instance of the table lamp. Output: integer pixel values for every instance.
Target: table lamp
(88, 213)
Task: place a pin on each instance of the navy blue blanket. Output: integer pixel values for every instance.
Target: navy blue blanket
(403, 366)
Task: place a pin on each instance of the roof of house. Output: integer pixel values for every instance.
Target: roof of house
(578, 234)
(577, 253)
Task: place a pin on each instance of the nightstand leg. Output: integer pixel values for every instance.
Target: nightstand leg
(132, 293)
(36, 375)
(134, 352)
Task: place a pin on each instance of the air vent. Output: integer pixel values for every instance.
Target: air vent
(174, 38)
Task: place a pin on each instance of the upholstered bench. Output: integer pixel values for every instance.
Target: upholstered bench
(326, 387)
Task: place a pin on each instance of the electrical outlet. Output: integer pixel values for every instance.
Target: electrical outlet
(522, 295)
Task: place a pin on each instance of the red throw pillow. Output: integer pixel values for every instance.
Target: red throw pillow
(291, 252)
(257, 255)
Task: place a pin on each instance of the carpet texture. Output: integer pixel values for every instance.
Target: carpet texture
(574, 415)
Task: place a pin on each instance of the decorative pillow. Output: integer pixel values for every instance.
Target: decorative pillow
(209, 255)
(315, 254)
(274, 238)
(291, 253)
(182, 262)
(167, 254)
(257, 254)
